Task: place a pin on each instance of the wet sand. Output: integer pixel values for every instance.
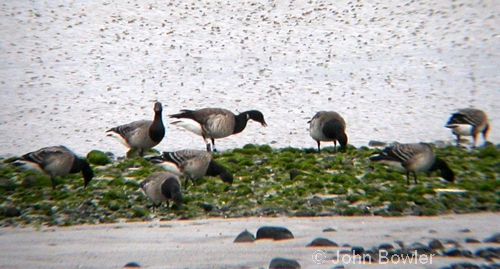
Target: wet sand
(208, 243)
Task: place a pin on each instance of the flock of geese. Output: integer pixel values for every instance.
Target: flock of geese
(216, 123)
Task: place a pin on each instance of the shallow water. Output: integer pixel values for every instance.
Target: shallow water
(70, 71)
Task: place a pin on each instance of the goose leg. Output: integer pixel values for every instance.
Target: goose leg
(474, 138)
(335, 146)
(319, 148)
(207, 143)
(458, 141)
(408, 177)
(53, 182)
(415, 177)
(213, 145)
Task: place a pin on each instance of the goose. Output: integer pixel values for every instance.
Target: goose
(162, 187)
(192, 164)
(414, 158)
(212, 123)
(143, 134)
(328, 126)
(56, 161)
(469, 122)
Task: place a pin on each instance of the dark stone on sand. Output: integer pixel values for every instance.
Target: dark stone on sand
(329, 230)
(421, 249)
(322, 242)
(385, 246)
(245, 237)
(10, 212)
(493, 239)
(453, 253)
(436, 244)
(467, 253)
(464, 265)
(464, 230)
(469, 240)
(294, 173)
(487, 254)
(132, 265)
(357, 250)
(274, 232)
(282, 263)
(452, 242)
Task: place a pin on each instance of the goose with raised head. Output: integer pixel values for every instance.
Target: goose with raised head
(192, 164)
(163, 187)
(57, 161)
(414, 158)
(143, 134)
(213, 123)
(469, 122)
(328, 126)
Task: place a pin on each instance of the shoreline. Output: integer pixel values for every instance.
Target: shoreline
(208, 243)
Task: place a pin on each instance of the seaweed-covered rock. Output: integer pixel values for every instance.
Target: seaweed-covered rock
(322, 242)
(273, 232)
(244, 237)
(282, 263)
(97, 157)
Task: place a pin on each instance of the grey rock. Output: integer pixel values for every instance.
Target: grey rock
(493, 239)
(282, 263)
(245, 237)
(436, 244)
(274, 232)
(322, 242)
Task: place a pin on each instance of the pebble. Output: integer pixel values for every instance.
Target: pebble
(385, 246)
(493, 239)
(131, 265)
(322, 242)
(357, 250)
(282, 263)
(245, 237)
(436, 244)
(469, 240)
(274, 232)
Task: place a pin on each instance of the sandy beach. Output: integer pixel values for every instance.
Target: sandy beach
(208, 243)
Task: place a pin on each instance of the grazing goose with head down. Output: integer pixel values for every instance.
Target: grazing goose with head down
(192, 164)
(162, 187)
(469, 122)
(56, 161)
(328, 126)
(414, 158)
(212, 123)
(143, 134)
